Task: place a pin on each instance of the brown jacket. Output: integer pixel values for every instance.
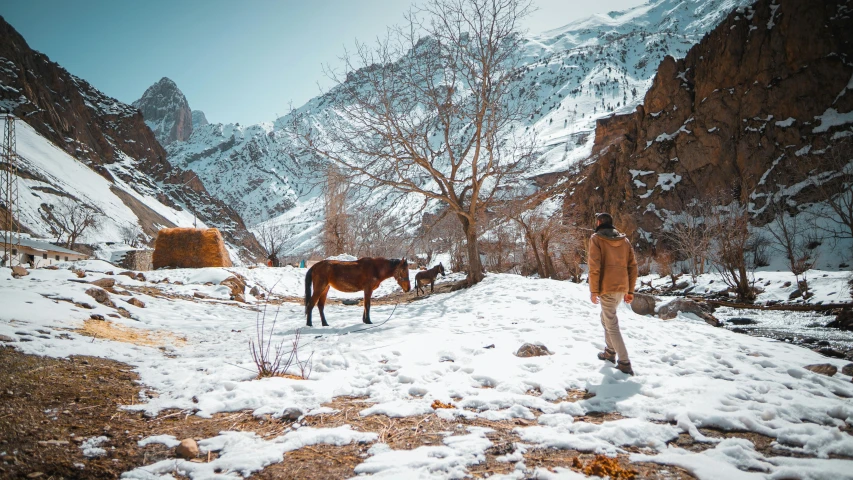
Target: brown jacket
(612, 265)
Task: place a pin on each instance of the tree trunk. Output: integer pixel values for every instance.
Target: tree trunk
(475, 268)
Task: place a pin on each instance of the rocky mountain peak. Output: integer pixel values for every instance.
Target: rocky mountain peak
(166, 111)
(199, 120)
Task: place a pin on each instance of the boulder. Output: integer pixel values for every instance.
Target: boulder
(255, 291)
(847, 369)
(188, 449)
(671, 310)
(136, 302)
(140, 277)
(100, 295)
(741, 321)
(644, 304)
(6, 338)
(823, 369)
(128, 273)
(190, 248)
(123, 312)
(104, 282)
(830, 352)
(199, 295)
(291, 414)
(237, 285)
(844, 321)
(96, 316)
(531, 350)
(19, 271)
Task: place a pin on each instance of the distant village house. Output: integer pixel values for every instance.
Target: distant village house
(36, 253)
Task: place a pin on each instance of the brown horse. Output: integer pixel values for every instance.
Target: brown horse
(427, 277)
(362, 275)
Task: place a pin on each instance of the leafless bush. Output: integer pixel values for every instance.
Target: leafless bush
(275, 359)
(665, 264)
(795, 238)
(132, 235)
(691, 237)
(834, 187)
(733, 250)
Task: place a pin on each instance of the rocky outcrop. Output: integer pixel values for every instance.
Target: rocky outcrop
(166, 111)
(752, 109)
(199, 120)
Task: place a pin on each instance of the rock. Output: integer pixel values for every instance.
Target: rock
(140, 277)
(844, 321)
(644, 304)
(255, 291)
(236, 285)
(123, 312)
(741, 321)
(128, 273)
(795, 294)
(350, 301)
(847, 369)
(823, 369)
(291, 414)
(96, 316)
(188, 449)
(166, 107)
(100, 296)
(531, 350)
(671, 310)
(104, 282)
(4, 338)
(682, 285)
(136, 302)
(830, 352)
(19, 271)
(199, 295)
(239, 298)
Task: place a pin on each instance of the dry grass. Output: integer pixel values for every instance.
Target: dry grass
(107, 330)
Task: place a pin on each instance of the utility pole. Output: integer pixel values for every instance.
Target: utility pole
(9, 189)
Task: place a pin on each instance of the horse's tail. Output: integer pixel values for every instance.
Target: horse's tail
(308, 281)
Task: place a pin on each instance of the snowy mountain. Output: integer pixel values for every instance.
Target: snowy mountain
(760, 106)
(582, 72)
(77, 143)
(167, 112)
(199, 120)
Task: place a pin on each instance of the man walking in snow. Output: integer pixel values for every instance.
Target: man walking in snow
(612, 276)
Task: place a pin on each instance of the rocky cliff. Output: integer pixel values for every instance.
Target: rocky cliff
(108, 137)
(753, 109)
(166, 111)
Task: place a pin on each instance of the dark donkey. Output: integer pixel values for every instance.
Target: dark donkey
(427, 277)
(362, 275)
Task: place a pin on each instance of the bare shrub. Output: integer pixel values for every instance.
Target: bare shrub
(665, 264)
(733, 250)
(275, 359)
(272, 237)
(132, 235)
(796, 239)
(691, 237)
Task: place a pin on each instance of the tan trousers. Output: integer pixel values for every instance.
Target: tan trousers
(612, 335)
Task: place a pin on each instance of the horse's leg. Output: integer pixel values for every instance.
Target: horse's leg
(367, 294)
(321, 303)
(432, 286)
(319, 292)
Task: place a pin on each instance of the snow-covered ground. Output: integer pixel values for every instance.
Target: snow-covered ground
(689, 375)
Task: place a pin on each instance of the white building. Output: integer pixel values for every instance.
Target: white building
(36, 253)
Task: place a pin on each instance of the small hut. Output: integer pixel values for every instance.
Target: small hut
(190, 248)
(36, 253)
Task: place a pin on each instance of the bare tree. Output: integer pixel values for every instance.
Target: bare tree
(272, 237)
(835, 189)
(665, 263)
(733, 247)
(337, 236)
(691, 237)
(794, 238)
(431, 112)
(72, 219)
(131, 234)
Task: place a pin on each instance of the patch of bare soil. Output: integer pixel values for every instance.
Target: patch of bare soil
(107, 330)
(763, 443)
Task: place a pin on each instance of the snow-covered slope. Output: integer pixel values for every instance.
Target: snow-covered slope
(581, 72)
(49, 175)
(692, 380)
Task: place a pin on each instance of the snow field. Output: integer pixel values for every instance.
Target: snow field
(689, 375)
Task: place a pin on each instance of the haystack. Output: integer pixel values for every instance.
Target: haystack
(190, 248)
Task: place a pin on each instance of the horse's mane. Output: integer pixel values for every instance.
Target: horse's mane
(395, 262)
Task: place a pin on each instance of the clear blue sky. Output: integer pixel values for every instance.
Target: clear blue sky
(238, 61)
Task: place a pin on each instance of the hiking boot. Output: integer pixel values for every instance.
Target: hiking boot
(625, 367)
(607, 355)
